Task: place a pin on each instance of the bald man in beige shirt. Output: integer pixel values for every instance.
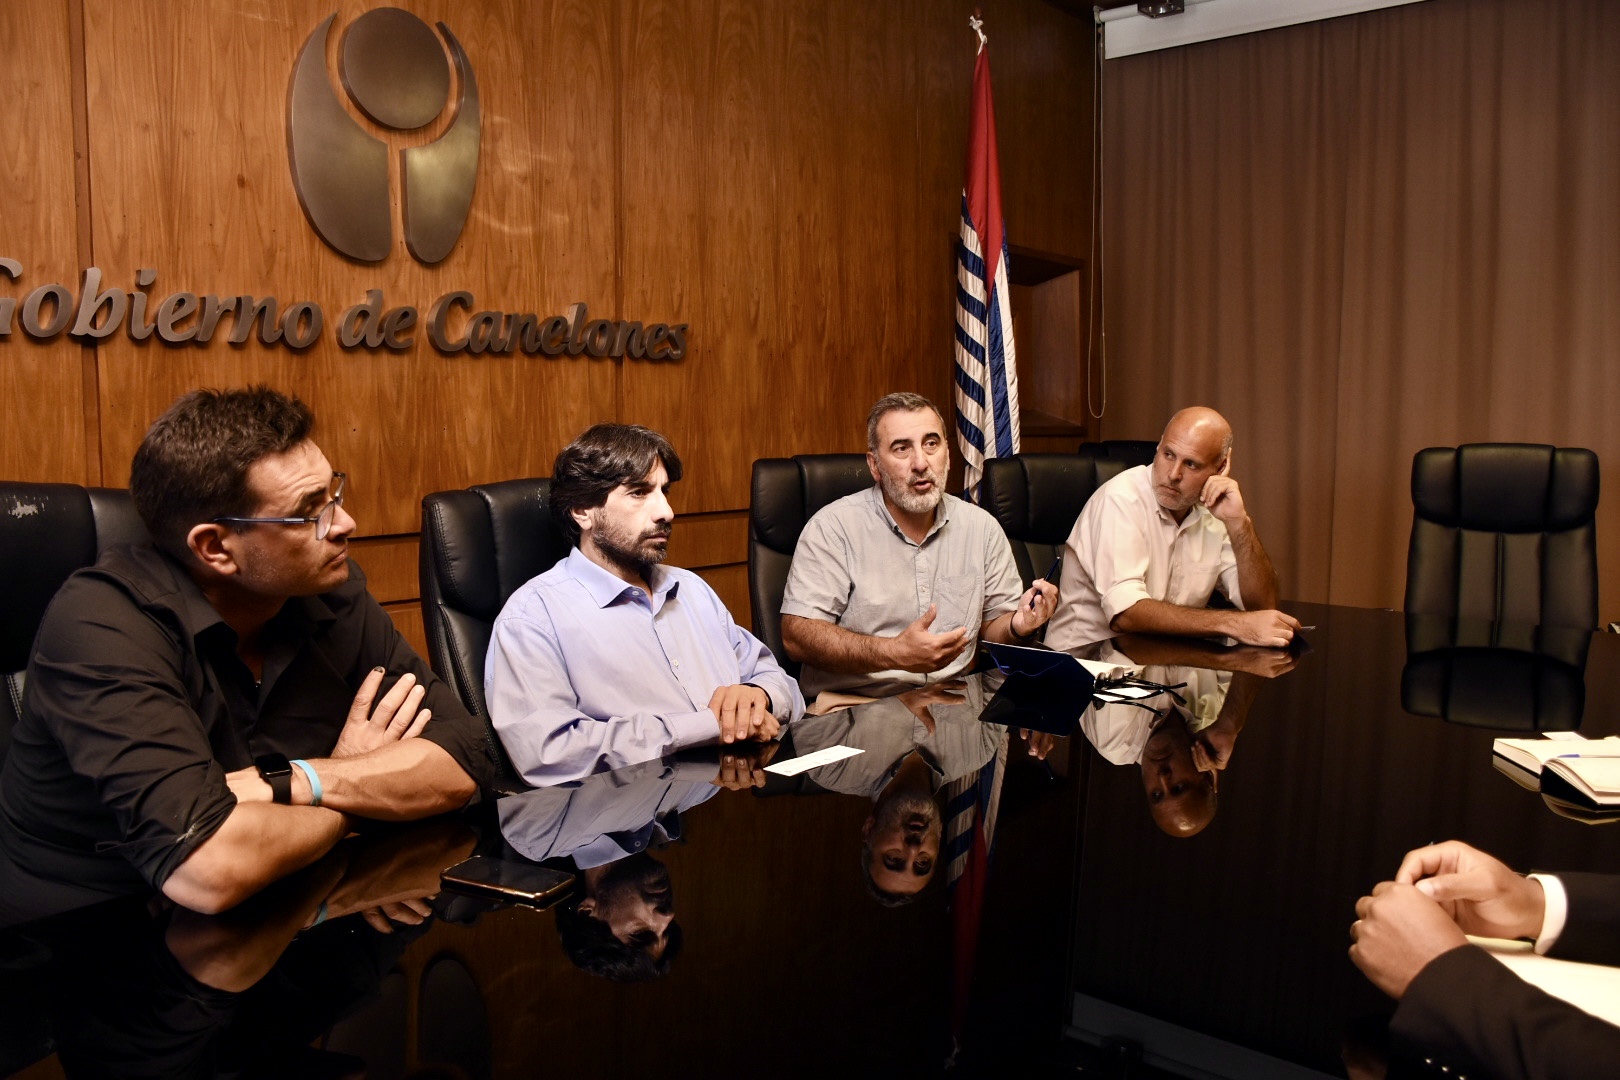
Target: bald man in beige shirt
(1153, 545)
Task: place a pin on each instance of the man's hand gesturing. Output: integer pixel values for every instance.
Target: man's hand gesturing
(916, 648)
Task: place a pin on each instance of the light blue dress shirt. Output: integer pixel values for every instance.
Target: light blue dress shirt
(586, 672)
(590, 820)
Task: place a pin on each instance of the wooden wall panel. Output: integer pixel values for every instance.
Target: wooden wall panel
(391, 566)
(1040, 64)
(730, 583)
(191, 178)
(784, 178)
(408, 619)
(41, 384)
(709, 539)
(700, 218)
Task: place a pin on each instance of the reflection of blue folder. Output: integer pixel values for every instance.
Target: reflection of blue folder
(1044, 690)
(1023, 660)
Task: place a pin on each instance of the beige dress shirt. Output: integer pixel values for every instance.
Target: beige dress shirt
(854, 567)
(1126, 548)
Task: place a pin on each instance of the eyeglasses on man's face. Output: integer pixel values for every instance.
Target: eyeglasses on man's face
(322, 521)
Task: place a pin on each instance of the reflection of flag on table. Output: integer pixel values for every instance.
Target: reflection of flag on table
(971, 809)
(986, 371)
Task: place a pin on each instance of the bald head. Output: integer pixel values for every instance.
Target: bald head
(1196, 445)
(1203, 427)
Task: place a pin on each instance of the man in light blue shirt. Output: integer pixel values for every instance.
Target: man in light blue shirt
(608, 658)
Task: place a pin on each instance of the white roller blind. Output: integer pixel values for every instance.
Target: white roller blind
(1126, 32)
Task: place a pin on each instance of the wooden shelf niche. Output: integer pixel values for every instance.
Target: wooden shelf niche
(1049, 329)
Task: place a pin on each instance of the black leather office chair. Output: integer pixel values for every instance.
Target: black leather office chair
(47, 531)
(1504, 532)
(786, 493)
(1504, 676)
(1127, 452)
(1037, 497)
(479, 545)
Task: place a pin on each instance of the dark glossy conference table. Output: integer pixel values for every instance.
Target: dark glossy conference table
(1074, 935)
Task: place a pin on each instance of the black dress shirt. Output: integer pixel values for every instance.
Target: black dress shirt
(136, 705)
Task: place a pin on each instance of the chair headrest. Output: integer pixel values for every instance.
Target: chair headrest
(47, 531)
(488, 540)
(1506, 487)
(786, 492)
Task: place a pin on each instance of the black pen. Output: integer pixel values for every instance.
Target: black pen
(1050, 570)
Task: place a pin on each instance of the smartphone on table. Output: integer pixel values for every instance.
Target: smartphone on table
(507, 879)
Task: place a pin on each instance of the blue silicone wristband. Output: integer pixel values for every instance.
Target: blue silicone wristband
(315, 791)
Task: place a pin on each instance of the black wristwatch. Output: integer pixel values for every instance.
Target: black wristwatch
(276, 771)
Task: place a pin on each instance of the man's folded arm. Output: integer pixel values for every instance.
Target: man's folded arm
(256, 844)
(1148, 616)
(403, 781)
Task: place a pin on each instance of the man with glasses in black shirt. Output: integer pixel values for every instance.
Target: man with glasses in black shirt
(207, 715)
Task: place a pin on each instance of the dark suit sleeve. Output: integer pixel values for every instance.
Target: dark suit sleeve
(1468, 1012)
(1592, 931)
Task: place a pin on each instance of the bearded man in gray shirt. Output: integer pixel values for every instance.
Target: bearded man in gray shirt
(892, 587)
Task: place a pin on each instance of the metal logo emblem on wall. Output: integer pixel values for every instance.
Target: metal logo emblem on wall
(393, 67)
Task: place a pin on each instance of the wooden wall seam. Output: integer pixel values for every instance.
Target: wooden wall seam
(89, 357)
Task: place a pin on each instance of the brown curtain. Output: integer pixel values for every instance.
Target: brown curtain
(1361, 237)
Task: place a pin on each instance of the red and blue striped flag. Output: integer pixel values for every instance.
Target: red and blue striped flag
(986, 367)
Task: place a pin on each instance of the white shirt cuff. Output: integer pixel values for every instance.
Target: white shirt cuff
(1556, 911)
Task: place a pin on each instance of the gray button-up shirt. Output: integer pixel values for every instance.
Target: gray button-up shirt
(855, 568)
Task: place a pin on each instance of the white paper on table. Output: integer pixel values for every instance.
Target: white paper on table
(1108, 671)
(1592, 988)
(795, 766)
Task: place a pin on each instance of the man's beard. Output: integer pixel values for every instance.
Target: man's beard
(640, 873)
(914, 811)
(898, 489)
(635, 555)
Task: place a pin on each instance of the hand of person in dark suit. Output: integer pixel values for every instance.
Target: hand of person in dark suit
(1481, 894)
(1397, 931)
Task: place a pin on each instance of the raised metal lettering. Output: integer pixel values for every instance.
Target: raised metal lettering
(301, 325)
(677, 341)
(395, 327)
(212, 310)
(439, 312)
(175, 307)
(30, 312)
(91, 301)
(248, 311)
(554, 335)
(8, 304)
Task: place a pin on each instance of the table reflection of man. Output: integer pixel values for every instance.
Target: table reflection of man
(137, 988)
(621, 924)
(912, 746)
(1180, 747)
